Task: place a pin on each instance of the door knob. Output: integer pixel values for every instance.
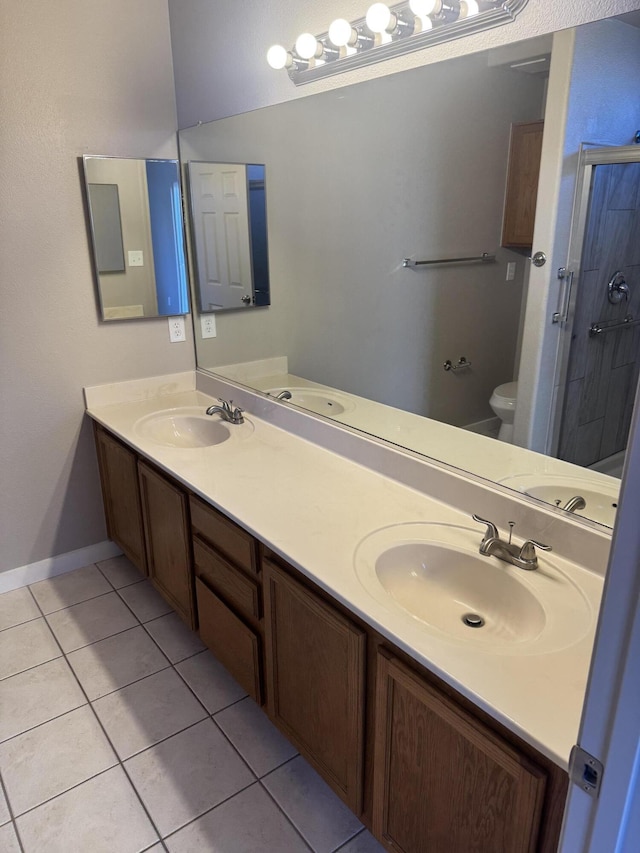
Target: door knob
(246, 300)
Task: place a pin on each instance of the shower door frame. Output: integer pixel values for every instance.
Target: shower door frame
(590, 157)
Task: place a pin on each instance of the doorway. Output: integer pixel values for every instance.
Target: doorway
(603, 340)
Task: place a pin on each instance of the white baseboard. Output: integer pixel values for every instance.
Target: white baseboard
(58, 565)
(490, 426)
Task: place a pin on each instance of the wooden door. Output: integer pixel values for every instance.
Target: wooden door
(523, 175)
(219, 208)
(315, 681)
(121, 495)
(442, 780)
(166, 528)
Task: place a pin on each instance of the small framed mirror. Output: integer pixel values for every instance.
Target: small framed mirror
(137, 236)
(229, 229)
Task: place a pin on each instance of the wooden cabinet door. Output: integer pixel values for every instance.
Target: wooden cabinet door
(522, 184)
(442, 780)
(121, 495)
(166, 528)
(315, 681)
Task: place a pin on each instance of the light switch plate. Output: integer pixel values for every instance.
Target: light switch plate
(208, 325)
(511, 271)
(136, 258)
(176, 330)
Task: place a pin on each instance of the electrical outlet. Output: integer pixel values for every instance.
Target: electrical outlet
(176, 330)
(511, 271)
(136, 258)
(208, 325)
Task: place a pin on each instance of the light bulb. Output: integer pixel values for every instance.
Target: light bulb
(341, 33)
(380, 18)
(469, 8)
(306, 45)
(278, 57)
(422, 8)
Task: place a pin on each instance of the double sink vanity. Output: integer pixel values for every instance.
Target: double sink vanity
(436, 689)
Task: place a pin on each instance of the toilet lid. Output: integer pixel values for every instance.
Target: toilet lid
(509, 390)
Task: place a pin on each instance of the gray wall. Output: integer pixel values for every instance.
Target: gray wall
(412, 165)
(77, 78)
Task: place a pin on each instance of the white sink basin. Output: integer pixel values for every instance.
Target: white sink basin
(328, 403)
(188, 427)
(601, 498)
(434, 574)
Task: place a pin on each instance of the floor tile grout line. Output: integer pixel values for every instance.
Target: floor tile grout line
(126, 603)
(281, 809)
(18, 624)
(12, 821)
(116, 588)
(349, 840)
(75, 603)
(44, 722)
(208, 811)
(29, 668)
(173, 663)
(94, 642)
(117, 757)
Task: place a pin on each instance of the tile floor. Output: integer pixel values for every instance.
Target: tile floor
(120, 732)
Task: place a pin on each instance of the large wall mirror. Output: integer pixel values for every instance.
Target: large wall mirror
(137, 235)
(412, 165)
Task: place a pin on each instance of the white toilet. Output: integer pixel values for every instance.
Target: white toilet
(503, 403)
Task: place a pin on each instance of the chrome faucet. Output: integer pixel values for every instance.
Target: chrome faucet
(227, 412)
(524, 557)
(575, 503)
(284, 395)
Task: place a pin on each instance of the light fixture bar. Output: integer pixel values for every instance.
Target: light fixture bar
(492, 13)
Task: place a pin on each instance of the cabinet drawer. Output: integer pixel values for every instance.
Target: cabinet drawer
(236, 588)
(233, 541)
(235, 645)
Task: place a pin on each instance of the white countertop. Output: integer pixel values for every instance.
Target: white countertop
(314, 507)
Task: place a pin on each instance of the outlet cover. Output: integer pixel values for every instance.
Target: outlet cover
(208, 325)
(136, 258)
(176, 330)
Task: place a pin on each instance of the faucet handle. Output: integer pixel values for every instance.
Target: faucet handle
(491, 531)
(528, 550)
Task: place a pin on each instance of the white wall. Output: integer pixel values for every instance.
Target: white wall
(593, 97)
(220, 48)
(78, 77)
(413, 165)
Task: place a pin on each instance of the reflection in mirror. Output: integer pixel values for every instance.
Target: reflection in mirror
(229, 229)
(137, 233)
(414, 165)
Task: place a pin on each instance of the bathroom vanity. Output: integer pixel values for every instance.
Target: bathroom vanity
(437, 737)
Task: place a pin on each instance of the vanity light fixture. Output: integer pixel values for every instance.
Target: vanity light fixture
(388, 31)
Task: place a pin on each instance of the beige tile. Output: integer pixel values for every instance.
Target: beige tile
(16, 607)
(246, 823)
(148, 711)
(102, 815)
(210, 681)
(310, 804)
(50, 759)
(37, 695)
(69, 588)
(9, 839)
(362, 843)
(120, 571)
(90, 621)
(145, 601)
(25, 646)
(174, 638)
(254, 736)
(116, 661)
(186, 775)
